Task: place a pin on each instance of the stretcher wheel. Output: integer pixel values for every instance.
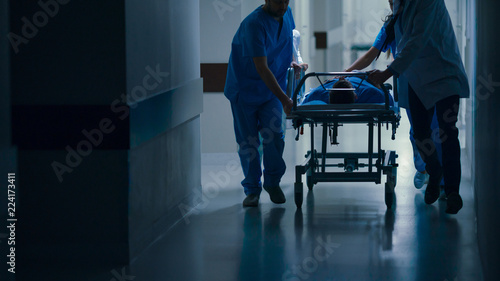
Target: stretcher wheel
(309, 179)
(390, 199)
(298, 194)
(390, 196)
(298, 200)
(309, 182)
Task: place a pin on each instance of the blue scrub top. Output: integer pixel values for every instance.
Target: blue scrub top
(257, 36)
(379, 41)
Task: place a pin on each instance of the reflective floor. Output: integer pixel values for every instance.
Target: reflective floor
(342, 232)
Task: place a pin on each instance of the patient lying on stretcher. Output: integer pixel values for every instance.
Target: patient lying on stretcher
(364, 93)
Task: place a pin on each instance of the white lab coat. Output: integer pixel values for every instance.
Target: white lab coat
(427, 55)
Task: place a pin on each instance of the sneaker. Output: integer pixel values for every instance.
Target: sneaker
(420, 179)
(432, 191)
(252, 200)
(276, 194)
(454, 203)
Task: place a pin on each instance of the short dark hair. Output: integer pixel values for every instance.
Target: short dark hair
(343, 96)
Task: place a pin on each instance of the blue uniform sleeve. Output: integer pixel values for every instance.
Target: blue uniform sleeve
(253, 39)
(379, 41)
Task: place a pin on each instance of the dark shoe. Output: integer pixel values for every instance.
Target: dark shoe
(433, 190)
(454, 203)
(276, 194)
(252, 200)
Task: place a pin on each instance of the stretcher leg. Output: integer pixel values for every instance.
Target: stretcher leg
(299, 186)
(390, 169)
(299, 194)
(323, 147)
(390, 195)
(312, 163)
(390, 185)
(370, 146)
(309, 180)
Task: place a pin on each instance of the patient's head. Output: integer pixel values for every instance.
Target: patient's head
(342, 96)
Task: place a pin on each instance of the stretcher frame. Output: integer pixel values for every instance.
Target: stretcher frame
(330, 117)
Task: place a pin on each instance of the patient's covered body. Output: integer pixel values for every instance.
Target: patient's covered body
(365, 92)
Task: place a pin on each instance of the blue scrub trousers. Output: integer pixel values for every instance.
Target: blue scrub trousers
(250, 121)
(446, 111)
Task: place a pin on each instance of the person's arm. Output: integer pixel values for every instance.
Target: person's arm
(270, 80)
(378, 77)
(297, 62)
(304, 66)
(296, 54)
(298, 68)
(364, 60)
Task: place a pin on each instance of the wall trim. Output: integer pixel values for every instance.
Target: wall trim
(160, 113)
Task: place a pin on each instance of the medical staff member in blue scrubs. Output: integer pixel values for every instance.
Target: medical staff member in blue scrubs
(261, 53)
(429, 61)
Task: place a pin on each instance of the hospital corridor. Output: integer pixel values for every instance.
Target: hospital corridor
(144, 140)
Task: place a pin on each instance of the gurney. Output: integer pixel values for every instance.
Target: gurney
(323, 166)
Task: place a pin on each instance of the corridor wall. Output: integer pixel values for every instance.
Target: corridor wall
(7, 152)
(106, 98)
(487, 137)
